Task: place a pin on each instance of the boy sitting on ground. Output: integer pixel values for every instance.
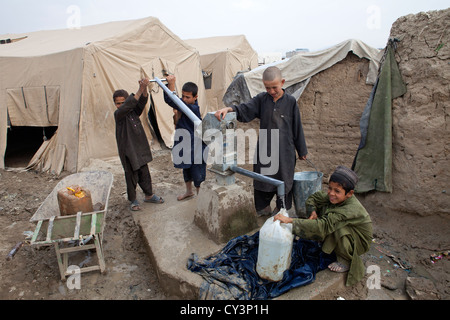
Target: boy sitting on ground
(340, 221)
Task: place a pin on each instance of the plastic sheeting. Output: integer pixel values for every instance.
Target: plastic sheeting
(305, 65)
(231, 274)
(299, 69)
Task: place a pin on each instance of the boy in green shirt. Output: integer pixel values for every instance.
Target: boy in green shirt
(340, 221)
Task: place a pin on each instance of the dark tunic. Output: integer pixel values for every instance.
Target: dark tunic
(131, 139)
(283, 115)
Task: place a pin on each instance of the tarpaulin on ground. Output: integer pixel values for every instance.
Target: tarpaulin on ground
(231, 274)
(373, 162)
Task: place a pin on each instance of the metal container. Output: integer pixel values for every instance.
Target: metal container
(305, 184)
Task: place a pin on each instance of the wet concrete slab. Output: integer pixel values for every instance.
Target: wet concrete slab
(171, 237)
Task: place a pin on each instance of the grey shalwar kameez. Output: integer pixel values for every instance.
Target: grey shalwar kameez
(134, 149)
(283, 115)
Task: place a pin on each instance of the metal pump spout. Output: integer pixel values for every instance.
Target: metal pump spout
(259, 177)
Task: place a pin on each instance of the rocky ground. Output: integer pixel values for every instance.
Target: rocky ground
(408, 252)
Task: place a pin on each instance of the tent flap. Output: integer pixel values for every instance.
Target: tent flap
(33, 106)
(160, 67)
(50, 156)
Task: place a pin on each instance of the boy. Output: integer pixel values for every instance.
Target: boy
(132, 143)
(194, 172)
(277, 111)
(340, 221)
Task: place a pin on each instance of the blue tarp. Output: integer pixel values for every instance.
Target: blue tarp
(231, 274)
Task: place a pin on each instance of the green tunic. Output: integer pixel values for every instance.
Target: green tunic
(345, 228)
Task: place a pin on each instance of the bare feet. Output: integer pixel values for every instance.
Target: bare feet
(185, 196)
(338, 267)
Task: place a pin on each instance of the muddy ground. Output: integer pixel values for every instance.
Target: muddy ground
(402, 250)
(34, 273)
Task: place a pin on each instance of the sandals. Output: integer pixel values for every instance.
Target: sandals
(135, 206)
(155, 199)
(338, 267)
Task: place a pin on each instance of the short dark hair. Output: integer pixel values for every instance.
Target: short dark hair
(120, 93)
(191, 87)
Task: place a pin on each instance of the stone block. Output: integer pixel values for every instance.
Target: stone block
(225, 212)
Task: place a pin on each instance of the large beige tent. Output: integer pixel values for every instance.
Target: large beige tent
(66, 78)
(222, 58)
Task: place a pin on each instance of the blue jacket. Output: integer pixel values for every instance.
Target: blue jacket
(184, 123)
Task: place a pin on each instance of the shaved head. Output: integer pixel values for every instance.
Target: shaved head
(271, 74)
(273, 82)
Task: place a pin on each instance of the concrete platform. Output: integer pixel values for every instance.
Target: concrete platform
(171, 237)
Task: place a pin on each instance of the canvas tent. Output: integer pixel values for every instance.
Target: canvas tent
(66, 78)
(222, 58)
(298, 69)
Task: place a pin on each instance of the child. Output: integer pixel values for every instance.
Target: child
(132, 143)
(340, 221)
(194, 172)
(277, 111)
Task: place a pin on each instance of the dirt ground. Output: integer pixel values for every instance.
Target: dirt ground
(402, 249)
(411, 254)
(34, 273)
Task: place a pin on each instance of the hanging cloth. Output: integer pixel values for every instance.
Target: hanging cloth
(373, 161)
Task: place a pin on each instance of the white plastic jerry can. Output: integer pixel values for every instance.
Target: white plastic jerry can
(275, 249)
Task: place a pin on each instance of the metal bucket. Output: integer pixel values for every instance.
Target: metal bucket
(305, 184)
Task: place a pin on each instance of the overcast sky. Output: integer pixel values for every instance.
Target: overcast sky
(269, 25)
